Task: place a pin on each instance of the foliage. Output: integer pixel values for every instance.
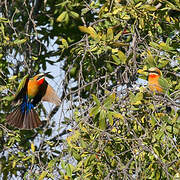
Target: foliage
(115, 128)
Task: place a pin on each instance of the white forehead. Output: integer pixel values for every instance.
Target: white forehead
(153, 69)
(41, 74)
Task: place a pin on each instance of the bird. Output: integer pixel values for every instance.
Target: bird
(29, 93)
(156, 82)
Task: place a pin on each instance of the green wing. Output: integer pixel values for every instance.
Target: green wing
(164, 84)
(22, 88)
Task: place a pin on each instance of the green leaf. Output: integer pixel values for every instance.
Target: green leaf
(8, 98)
(77, 156)
(136, 99)
(73, 71)
(165, 47)
(117, 115)
(34, 58)
(83, 144)
(148, 7)
(109, 151)
(177, 87)
(159, 135)
(74, 14)
(110, 35)
(96, 100)
(154, 45)
(3, 88)
(137, 5)
(64, 42)
(163, 63)
(89, 159)
(88, 30)
(94, 111)
(32, 159)
(141, 23)
(51, 163)
(26, 158)
(32, 147)
(21, 154)
(12, 78)
(102, 120)
(109, 115)
(14, 164)
(139, 96)
(92, 32)
(43, 175)
(69, 170)
(116, 59)
(150, 59)
(19, 41)
(63, 164)
(62, 16)
(122, 56)
(109, 100)
(153, 121)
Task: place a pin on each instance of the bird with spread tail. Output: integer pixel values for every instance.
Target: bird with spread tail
(156, 82)
(30, 92)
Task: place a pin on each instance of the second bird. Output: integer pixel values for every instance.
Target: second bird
(156, 82)
(30, 92)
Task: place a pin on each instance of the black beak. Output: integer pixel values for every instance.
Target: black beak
(47, 73)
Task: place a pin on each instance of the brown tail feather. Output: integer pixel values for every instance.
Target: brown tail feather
(35, 123)
(25, 120)
(10, 118)
(18, 116)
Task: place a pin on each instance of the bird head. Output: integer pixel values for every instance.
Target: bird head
(154, 72)
(39, 78)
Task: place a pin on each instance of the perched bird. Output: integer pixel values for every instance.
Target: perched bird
(30, 92)
(156, 82)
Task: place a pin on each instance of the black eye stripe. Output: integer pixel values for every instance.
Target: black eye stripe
(154, 72)
(41, 76)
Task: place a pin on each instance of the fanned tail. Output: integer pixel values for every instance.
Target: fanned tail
(23, 119)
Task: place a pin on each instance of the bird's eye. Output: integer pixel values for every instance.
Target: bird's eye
(156, 72)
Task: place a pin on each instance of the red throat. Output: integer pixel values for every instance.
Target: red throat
(40, 81)
(153, 76)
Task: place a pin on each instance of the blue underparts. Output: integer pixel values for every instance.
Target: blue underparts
(26, 106)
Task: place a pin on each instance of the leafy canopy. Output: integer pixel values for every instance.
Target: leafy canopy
(109, 126)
